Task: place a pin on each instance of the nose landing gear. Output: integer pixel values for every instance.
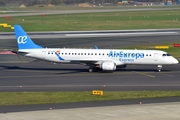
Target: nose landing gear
(159, 67)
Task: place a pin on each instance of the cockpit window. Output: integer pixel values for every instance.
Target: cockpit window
(166, 55)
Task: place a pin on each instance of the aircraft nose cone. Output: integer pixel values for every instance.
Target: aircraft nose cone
(175, 61)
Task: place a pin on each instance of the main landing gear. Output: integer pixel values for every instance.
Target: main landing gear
(91, 68)
(159, 67)
(94, 68)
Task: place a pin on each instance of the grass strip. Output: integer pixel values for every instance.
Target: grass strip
(27, 98)
(69, 7)
(122, 20)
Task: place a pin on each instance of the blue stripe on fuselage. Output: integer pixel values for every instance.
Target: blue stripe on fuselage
(59, 57)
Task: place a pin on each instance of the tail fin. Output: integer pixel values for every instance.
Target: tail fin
(23, 40)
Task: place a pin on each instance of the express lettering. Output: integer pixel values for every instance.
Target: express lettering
(122, 54)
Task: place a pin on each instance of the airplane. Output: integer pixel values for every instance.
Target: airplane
(103, 59)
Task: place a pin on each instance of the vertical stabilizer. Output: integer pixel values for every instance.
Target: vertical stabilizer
(23, 40)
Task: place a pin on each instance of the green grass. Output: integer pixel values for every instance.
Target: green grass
(26, 98)
(74, 7)
(98, 21)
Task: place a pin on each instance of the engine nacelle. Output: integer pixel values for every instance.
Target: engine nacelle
(108, 66)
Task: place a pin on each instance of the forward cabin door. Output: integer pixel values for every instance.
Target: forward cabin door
(44, 54)
(155, 56)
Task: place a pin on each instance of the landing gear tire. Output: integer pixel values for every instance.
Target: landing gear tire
(90, 69)
(159, 67)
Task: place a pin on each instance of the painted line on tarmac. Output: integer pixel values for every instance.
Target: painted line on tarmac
(144, 74)
(14, 61)
(59, 74)
(70, 71)
(37, 71)
(95, 85)
(71, 42)
(75, 73)
(55, 74)
(121, 34)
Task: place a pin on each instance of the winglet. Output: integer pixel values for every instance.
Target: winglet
(23, 40)
(95, 47)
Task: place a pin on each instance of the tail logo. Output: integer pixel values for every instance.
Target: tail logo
(22, 40)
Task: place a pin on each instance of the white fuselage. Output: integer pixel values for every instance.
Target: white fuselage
(118, 56)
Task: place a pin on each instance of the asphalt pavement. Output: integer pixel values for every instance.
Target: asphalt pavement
(42, 76)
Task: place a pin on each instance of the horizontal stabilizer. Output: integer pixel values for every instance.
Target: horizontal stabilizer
(19, 52)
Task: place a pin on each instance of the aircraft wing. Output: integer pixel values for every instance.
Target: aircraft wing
(84, 62)
(96, 62)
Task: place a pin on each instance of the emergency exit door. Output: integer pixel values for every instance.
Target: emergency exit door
(44, 54)
(155, 56)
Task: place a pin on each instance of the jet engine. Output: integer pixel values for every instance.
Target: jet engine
(108, 66)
